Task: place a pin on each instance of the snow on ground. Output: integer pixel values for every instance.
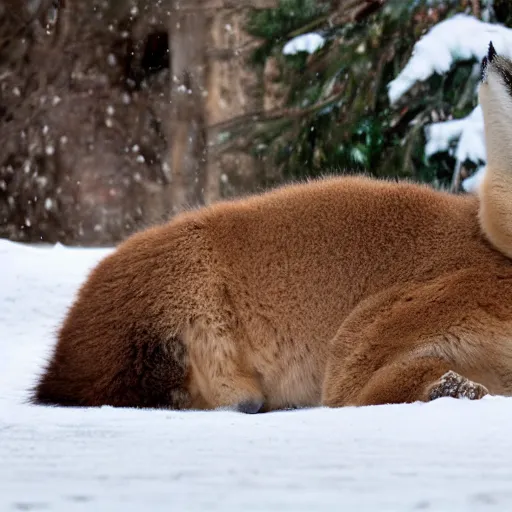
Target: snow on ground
(445, 456)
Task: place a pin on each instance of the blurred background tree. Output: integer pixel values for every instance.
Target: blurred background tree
(104, 112)
(116, 113)
(333, 114)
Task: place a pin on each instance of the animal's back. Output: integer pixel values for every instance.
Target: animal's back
(326, 245)
(298, 260)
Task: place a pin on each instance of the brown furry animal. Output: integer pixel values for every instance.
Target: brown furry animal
(338, 292)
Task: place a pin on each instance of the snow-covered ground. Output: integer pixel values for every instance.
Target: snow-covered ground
(446, 456)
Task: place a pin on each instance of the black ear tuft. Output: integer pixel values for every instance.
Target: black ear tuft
(492, 52)
(483, 69)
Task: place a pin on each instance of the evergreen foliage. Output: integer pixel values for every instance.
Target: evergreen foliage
(338, 118)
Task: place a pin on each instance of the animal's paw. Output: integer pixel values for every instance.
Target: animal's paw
(456, 386)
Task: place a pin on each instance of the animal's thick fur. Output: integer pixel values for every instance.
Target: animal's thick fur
(340, 292)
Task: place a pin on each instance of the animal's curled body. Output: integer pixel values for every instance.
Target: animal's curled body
(340, 291)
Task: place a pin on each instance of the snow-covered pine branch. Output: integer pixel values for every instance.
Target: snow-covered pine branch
(469, 134)
(309, 43)
(456, 39)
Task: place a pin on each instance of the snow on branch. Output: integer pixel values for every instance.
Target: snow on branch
(472, 184)
(461, 37)
(470, 134)
(309, 43)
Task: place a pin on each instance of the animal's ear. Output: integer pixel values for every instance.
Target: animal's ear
(500, 68)
(488, 59)
(491, 54)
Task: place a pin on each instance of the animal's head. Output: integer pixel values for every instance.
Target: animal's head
(496, 188)
(495, 97)
(496, 87)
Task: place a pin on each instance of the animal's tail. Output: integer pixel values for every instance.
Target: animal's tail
(496, 189)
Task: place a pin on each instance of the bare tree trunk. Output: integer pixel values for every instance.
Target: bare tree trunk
(212, 81)
(235, 88)
(187, 123)
(475, 5)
